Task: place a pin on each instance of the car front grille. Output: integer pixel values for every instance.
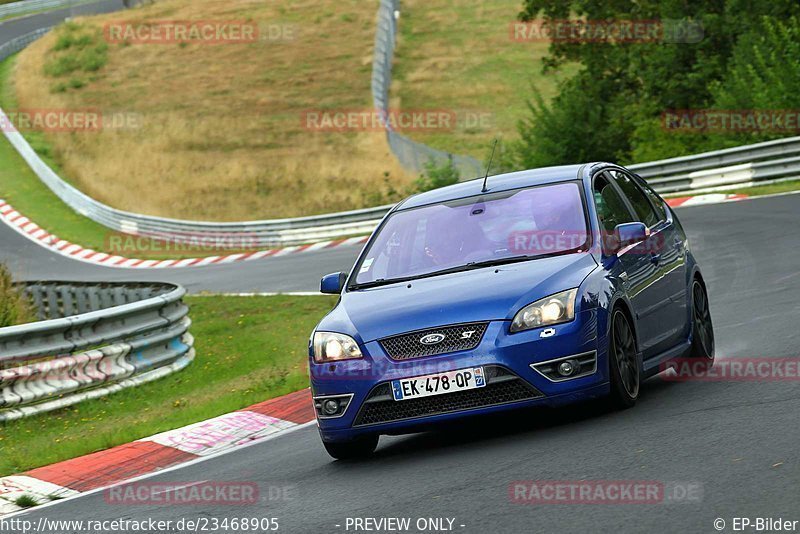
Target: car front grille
(456, 337)
(502, 387)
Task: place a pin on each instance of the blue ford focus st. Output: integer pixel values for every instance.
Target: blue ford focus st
(539, 287)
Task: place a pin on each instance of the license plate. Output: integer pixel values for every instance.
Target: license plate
(438, 384)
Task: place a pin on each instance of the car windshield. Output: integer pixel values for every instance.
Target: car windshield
(487, 229)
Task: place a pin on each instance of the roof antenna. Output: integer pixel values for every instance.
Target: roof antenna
(489, 166)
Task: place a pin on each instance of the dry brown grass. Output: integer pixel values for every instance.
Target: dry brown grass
(221, 136)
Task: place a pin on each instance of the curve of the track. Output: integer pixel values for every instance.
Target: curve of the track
(29, 261)
(737, 439)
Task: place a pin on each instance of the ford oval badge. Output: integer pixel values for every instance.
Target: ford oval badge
(432, 339)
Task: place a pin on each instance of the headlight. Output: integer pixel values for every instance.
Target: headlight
(555, 309)
(332, 347)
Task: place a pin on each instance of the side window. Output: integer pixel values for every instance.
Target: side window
(655, 200)
(644, 210)
(611, 209)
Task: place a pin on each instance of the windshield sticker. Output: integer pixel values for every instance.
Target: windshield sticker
(366, 265)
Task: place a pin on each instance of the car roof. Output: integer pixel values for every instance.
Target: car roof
(498, 182)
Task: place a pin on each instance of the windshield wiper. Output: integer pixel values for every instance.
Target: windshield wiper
(480, 264)
(466, 267)
(498, 261)
(460, 268)
(382, 282)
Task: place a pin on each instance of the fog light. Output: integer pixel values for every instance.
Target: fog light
(569, 368)
(330, 407)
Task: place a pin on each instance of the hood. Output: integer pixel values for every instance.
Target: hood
(490, 293)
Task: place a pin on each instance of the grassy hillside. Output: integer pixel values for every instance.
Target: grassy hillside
(217, 130)
(458, 55)
(220, 134)
(20, 187)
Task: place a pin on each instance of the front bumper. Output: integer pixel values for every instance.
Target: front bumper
(512, 381)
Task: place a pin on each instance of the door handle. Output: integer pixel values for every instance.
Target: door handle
(678, 243)
(655, 258)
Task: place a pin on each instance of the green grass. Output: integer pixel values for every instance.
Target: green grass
(78, 50)
(754, 191)
(458, 55)
(14, 307)
(26, 501)
(769, 189)
(249, 349)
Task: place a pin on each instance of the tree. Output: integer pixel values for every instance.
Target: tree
(764, 74)
(575, 127)
(612, 109)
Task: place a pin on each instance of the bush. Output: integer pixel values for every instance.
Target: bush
(77, 49)
(386, 194)
(26, 501)
(14, 307)
(93, 59)
(61, 66)
(436, 176)
(69, 39)
(574, 127)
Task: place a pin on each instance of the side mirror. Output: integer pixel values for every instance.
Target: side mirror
(630, 233)
(333, 284)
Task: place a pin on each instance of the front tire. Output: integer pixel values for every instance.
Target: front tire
(623, 362)
(360, 447)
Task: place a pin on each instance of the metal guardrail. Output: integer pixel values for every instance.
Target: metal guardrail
(91, 340)
(410, 153)
(33, 6)
(733, 166)
(13, 46)
(719, 158)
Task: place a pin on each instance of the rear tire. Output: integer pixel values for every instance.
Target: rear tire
(702, 327)
(623, 363)
(360, 447)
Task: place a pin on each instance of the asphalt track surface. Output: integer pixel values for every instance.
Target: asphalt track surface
(738, 440)
(20, 26)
